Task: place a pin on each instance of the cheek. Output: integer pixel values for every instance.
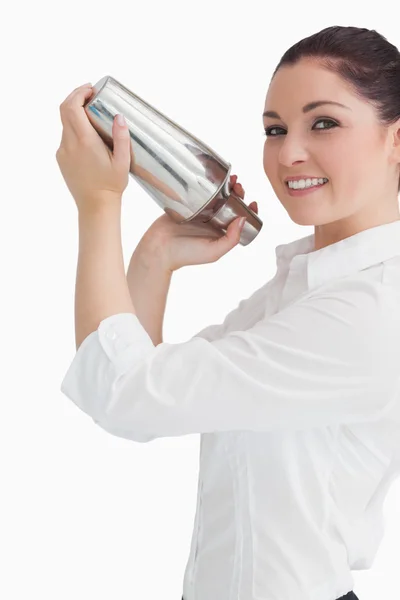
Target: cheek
(271, 168)
(270, 162)
(353, 162)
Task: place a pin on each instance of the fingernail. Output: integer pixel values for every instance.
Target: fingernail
(241, 222)
(121, 120)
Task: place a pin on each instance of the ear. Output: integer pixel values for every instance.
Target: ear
(394, 140)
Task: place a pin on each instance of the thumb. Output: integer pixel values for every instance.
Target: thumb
(231, 237)
(234, 230)
(122, 142)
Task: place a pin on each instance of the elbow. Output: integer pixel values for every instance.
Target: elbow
(117, 417)
(134, 435)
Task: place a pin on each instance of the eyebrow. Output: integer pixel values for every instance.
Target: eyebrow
(306, 108)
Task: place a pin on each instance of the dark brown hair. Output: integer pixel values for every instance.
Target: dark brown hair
(364, 58)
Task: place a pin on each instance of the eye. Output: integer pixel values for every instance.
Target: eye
(268, 130)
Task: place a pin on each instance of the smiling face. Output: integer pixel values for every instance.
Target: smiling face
(345, 144)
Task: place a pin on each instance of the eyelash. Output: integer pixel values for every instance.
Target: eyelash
(268, 129)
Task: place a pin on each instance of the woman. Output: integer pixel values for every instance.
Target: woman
(296, 393)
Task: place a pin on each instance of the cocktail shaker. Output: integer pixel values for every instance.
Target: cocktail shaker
(184, 176)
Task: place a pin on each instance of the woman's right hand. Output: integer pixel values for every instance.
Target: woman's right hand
(179, 245)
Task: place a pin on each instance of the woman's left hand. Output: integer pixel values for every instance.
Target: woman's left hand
(95, 175)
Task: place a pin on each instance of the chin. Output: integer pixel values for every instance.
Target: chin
(301, 216)
(299, 220)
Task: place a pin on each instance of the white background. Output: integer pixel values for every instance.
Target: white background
(85, 515)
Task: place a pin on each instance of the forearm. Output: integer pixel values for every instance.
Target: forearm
(101, 287)
(148, 283)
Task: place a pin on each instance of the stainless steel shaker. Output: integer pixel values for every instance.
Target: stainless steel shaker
(186, 178)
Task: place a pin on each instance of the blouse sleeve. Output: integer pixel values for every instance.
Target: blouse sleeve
(331, 357)
(247, 313)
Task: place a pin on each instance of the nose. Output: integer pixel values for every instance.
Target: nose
(292, 151)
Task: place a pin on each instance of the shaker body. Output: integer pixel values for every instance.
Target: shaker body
(186, 178)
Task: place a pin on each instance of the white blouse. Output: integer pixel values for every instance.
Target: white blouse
(296, 396)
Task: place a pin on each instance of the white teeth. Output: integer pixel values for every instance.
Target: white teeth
(306, 183)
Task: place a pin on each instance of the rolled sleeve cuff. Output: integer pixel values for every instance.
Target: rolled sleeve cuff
(124, 340)
(105, 355)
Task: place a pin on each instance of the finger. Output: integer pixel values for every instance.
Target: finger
(72, 95)
(121, 143)
(73, 116)
(85, 85)
(233, 179)
(254, 206)
(238, 189)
